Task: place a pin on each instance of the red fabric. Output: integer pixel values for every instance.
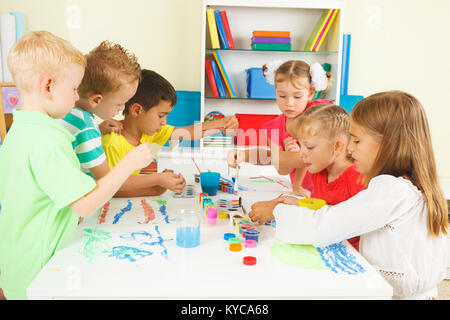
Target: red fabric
(341, 189)
(252, 123)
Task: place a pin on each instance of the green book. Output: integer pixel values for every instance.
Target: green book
(272, 46)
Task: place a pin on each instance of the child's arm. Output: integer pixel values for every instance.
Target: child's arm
(262, 211)
(165, 180)
(283, 161)
(297, 183)
(110, 125)
(169, 180)
(199, 130)
(277, 150)
(385, 199)
(143, 192)
(107, 186)
(142, 185)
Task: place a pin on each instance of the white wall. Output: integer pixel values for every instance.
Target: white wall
(401, 44)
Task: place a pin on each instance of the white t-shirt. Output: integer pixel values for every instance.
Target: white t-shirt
(391, 218)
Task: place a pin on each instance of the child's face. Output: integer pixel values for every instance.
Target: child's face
(65, 91)
(317, 153)
(152, 120)
(292, 99)
(363, 148)
(113, 103)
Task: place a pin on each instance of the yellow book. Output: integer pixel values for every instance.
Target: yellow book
(325, 31)
(320, 25)
(212, 29)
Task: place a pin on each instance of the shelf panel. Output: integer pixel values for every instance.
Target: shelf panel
(238, 98)
(272, 51)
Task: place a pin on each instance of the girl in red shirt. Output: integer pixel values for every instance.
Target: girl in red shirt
(323, 133)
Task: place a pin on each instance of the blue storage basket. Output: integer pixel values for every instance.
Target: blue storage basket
(185, 113)
(257, 85)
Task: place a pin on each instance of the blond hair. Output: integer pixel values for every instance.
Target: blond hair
(397, 120)
(292, 70)
(109, 66)
(40, 52)
(327, 120)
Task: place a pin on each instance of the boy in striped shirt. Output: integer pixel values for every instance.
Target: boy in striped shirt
(111, 78)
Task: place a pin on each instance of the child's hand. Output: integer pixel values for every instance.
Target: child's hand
(139, 157)
(293, 201)
(234, 157)
(290, 144)
(229, 124)
(110, 125)
(172, 181)
(301, 191)
(263, 211)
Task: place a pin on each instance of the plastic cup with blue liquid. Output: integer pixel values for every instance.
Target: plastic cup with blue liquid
(188, 228)
(210, 182)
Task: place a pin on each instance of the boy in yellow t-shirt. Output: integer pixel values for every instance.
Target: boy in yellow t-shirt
(145, 116)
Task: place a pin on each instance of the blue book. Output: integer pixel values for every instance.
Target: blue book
(219, 84)
(224, 74)
(221, 30)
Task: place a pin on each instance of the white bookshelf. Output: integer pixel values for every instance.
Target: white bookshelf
(244, 16)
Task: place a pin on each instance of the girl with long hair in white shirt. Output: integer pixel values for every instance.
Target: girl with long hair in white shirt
(402, 215)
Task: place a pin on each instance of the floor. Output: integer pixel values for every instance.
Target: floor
(444, 290)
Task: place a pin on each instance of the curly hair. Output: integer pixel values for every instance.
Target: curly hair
(109, 66)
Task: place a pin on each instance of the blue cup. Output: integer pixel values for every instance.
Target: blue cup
(210, 182)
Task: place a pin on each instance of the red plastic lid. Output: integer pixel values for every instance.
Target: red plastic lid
(249, 260)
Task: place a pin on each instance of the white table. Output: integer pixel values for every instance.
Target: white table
(209, 271)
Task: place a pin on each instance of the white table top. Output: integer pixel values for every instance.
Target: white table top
(87, 268)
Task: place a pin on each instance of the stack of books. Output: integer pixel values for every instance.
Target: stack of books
(216, 73)
(271, 40)
(219, 29)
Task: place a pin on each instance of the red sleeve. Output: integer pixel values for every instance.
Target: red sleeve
(318, 101)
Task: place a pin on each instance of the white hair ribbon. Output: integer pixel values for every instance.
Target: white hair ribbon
(319, 79)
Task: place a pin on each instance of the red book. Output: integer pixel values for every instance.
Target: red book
(212, 81)
(226, 26)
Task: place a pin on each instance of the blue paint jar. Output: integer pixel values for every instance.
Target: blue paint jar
(251, 234)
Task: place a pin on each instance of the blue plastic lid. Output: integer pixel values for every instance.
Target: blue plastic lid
(227, 236)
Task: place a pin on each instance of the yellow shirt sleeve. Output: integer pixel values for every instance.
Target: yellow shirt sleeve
(159, 137)
(116, 146)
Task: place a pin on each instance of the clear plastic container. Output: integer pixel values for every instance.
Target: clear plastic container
(188, 228)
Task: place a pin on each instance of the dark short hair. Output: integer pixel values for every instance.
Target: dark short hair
(151, 90)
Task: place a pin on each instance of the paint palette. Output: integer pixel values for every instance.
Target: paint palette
(188, 192)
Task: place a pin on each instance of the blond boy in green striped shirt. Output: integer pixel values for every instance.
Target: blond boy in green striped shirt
(111, 78)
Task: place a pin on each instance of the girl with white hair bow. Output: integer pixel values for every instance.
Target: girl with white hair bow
(295, 83)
